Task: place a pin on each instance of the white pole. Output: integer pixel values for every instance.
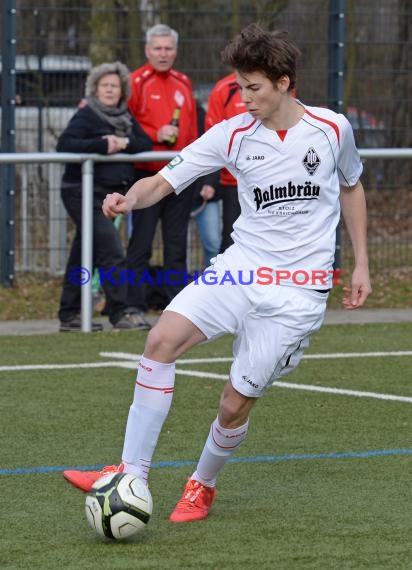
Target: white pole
(87, 245)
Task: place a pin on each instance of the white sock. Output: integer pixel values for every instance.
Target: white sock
(220, 445)
(151, 404)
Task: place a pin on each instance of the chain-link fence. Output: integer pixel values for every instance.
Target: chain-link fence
(58, 42)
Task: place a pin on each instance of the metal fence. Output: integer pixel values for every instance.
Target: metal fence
(43, 230)
(58, 41)
(42, 235)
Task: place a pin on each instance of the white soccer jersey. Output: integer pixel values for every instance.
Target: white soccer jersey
(288, 189)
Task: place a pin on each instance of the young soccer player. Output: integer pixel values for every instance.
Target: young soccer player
(297, 168)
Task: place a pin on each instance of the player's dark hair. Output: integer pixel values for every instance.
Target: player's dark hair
(272, 53)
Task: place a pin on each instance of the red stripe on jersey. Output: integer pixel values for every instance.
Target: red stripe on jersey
(168, 390)
(282, 134)
(238, 131)
(333, 125)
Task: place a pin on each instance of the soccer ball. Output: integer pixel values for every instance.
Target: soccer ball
(118, 505)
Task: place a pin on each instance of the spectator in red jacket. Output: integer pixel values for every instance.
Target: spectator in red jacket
(160, 93)
(225, 102)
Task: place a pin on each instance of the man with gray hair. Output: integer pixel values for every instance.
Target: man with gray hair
(162, 102)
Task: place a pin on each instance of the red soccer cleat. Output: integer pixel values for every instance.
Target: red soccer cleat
(84, 480)
(194, 504)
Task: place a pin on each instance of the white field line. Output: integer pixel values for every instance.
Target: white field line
(130, 356)
(129, 360)
(357, 354)
(343, 392)
(307, 387)
(331, 355)
(28, 367)
(126, 364)
(131, 364)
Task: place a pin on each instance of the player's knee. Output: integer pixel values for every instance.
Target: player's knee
(234, 409)
(161, 345)
(232, 420)
(229, 417)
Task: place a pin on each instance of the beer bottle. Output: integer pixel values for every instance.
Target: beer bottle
(175, 123)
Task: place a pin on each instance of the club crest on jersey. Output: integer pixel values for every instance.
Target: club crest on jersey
(288, 193)
(177, 160)
(311, 161)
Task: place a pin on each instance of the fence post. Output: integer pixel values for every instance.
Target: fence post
(85, 273)
(7, 171)
(337, 10)
(57, 222)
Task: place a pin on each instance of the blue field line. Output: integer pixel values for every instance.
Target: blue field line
(254, 459)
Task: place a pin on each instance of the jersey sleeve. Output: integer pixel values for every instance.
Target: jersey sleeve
(205, 155)
(349, 164)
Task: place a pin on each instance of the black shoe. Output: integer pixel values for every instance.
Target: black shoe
(75, 325)
(132, 321)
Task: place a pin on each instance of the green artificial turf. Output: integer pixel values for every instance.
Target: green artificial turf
(322, 481)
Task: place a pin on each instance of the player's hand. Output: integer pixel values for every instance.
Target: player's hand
(115, 204)
(207, 192)
(356, 295)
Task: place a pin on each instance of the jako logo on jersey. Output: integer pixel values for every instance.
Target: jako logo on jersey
(255, 157)
(311, 161)
(289, 193)
(177, 160)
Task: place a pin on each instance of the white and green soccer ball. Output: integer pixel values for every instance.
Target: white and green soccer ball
(118, 506)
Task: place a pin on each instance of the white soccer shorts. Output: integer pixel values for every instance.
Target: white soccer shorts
(271, 324)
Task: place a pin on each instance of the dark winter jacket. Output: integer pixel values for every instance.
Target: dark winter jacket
(84, 134)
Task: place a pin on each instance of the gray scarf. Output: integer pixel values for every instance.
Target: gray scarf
(118, 117)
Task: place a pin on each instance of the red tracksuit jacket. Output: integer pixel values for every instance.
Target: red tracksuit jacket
(152, 102)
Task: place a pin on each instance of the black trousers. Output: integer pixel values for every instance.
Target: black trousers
(108, 253)
(231, 212)
(173, 211)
